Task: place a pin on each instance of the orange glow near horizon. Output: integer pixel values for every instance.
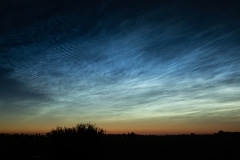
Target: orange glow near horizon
(137, 128)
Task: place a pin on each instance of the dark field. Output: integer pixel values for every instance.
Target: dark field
(222, 145)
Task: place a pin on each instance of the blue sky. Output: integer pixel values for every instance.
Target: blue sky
(148, 67)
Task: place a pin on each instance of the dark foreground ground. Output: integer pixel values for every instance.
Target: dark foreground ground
(217, 146)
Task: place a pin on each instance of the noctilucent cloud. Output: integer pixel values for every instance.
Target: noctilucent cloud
(143, 66)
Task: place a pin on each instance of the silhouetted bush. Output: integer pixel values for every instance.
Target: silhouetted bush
(81, 129)
(85, 134)
(82, 139)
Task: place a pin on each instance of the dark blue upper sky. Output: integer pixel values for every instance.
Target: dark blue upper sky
(120, 63)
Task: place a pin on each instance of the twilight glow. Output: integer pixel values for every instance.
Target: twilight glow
(140, 66)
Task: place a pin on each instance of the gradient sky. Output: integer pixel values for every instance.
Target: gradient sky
(144, 66)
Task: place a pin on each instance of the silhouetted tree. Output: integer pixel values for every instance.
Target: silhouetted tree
(86, 134)
(84, 138)
(81, 129)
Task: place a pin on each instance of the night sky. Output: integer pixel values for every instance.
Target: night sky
(149, 67)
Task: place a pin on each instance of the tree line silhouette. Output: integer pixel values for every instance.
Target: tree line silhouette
(87, 141)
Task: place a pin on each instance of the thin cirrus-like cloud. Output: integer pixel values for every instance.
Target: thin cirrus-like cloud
(165, 60)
